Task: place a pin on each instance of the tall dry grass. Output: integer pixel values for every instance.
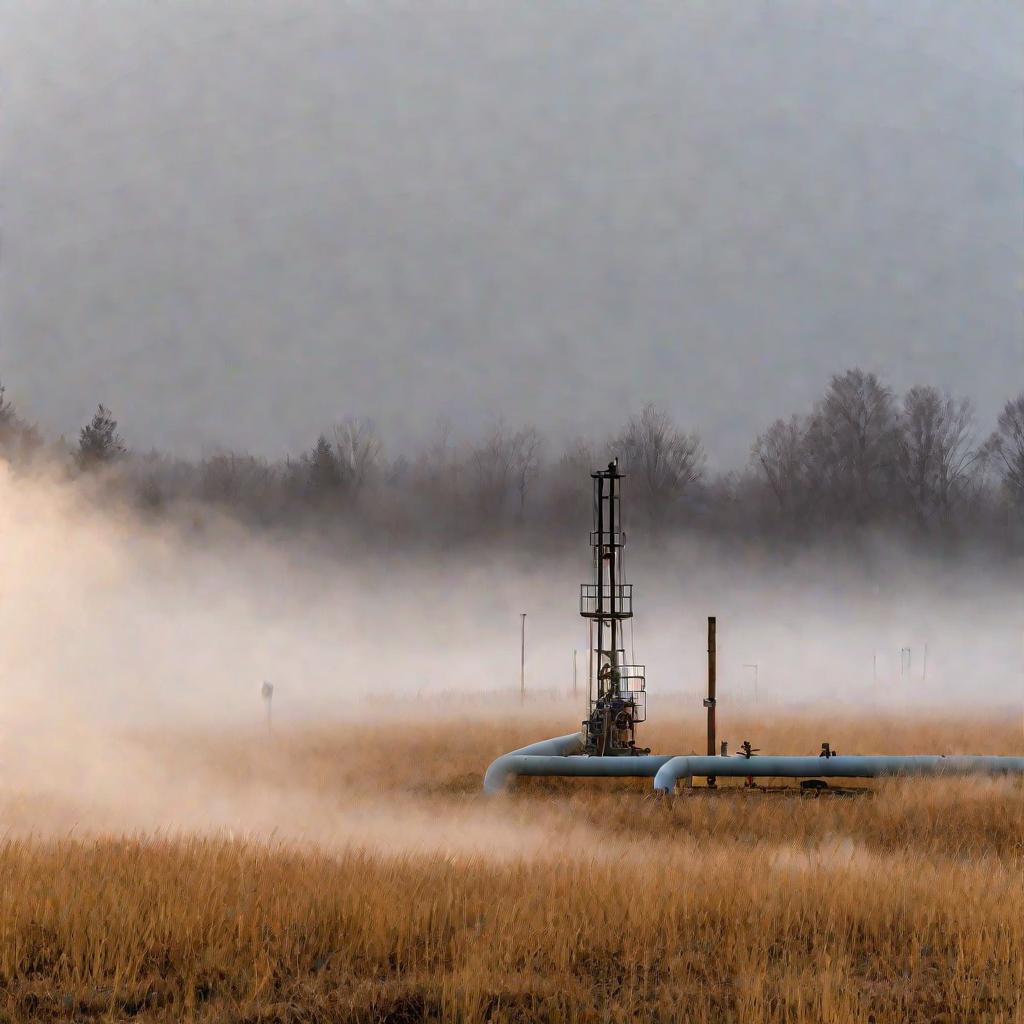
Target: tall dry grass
(903, 903)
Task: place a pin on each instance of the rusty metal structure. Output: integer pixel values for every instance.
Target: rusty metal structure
(617, 697)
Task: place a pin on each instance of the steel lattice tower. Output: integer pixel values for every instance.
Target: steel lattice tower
(617, 698)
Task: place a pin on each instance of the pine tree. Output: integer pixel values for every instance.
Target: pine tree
(8, 417)
(324, 471)
(99, 441)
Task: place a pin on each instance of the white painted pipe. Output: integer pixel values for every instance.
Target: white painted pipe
(559, 756)
(498, 773)
(839, 767)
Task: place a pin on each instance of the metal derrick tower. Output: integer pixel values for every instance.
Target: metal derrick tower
(617, 698)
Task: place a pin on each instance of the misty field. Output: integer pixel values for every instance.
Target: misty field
(294, 883)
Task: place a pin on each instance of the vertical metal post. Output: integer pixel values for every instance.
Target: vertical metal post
(711, 698)
(522, 658)
(599, 555)
(613, 625)
(590, 664)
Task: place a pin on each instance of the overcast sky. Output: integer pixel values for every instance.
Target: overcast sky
(235, 222)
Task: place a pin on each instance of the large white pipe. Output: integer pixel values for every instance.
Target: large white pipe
(559, 756)
(499, 771)
(839, 767)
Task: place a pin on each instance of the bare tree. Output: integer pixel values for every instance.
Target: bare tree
(1007, 447)
(358, 451)
(436, 469)
(98, 441)
(851, 444)
(935, 451)
(664, 462)
(492, 469)
(238, 480)
(567, 494)
(779, 455)
(527, 445)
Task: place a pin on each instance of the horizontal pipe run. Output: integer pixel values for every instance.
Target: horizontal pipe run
(560, 756)
(839, 767)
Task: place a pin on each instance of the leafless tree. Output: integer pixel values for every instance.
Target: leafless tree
(935, 452)
(358, 451)
(436, 470)
(1007, 447)
(779, 455)
(567, 492)
(238, 480)
(503, 468)
(527, 446)
(850, 446)
(664, 462)
(492, 470)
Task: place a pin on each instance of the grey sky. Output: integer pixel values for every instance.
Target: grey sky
(235, 222)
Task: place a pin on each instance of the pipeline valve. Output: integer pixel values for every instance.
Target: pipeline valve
(746, 750)
(827, 751)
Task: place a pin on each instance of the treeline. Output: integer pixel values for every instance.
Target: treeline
(863, 459)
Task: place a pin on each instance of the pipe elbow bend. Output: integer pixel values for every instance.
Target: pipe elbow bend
(669, 774)
(502, 768)
(497, 775)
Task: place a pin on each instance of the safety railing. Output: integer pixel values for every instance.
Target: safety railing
(606, 601)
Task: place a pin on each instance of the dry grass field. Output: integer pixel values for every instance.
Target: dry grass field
(353, 874)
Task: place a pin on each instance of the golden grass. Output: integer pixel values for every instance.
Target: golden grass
(563, 901)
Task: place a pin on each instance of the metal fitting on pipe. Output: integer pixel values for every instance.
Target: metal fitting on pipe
(838, 767)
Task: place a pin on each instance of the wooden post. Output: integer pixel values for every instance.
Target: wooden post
(712, 699)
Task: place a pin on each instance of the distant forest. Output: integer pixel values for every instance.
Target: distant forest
(863, 459)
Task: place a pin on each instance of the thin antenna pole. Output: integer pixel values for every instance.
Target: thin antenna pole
(522, 658)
